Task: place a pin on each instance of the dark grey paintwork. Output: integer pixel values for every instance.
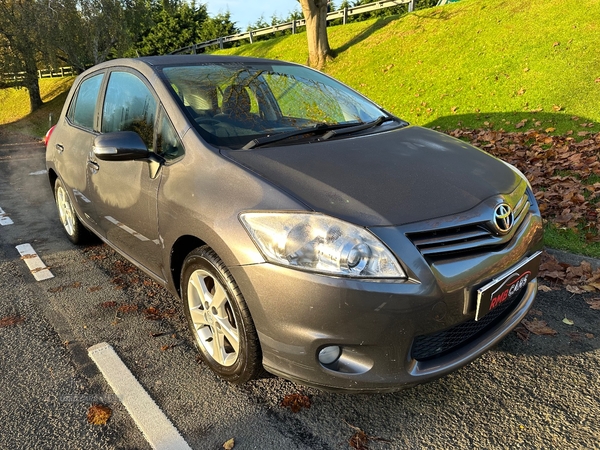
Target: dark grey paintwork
(395, 181)
(390, 178)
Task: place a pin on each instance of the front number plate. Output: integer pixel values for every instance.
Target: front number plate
(504, 288)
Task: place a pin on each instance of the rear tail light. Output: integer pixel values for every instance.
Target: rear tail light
(48, 134)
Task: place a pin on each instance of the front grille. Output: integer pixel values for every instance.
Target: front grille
(437, 344)
(478, 236)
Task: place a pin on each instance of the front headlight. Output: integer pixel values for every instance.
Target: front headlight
(319, 243)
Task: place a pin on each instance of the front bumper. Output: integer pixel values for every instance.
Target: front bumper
(376, 322)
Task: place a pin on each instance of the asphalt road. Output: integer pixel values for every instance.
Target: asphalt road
(539, 393)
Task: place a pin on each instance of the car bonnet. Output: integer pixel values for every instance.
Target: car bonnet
(388, 178)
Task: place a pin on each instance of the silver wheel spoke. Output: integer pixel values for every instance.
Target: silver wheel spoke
(198, 317)
(229, 332)
(196, 290)
(218, 342)
(219, 299)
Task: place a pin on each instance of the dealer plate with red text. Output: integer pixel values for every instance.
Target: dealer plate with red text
(505, 288)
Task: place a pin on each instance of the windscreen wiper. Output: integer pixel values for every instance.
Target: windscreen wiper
(317, 128)
(354, 129)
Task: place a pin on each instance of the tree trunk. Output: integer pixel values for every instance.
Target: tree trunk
(31, 83)
(315, 14)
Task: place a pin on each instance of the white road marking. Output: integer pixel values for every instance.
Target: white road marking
(157, 428)
(38, 269)
(39, 172)
(4, 219)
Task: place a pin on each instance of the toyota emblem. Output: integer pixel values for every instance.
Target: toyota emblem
(503, 218)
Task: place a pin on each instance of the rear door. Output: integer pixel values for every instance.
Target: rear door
(74, 140)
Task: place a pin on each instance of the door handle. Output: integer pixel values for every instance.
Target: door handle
(59, 148)
(94, 166)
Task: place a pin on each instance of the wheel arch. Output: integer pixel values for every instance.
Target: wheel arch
(52, 177)
(181, 248)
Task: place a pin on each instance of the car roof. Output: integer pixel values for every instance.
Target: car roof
(148, 64)
(177, 60)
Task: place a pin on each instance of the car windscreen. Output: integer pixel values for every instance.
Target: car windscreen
(233, 104)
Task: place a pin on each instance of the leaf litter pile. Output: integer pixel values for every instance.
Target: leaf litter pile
(564, 173)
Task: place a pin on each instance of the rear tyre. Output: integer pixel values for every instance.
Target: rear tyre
(76, 232)
(218, 318)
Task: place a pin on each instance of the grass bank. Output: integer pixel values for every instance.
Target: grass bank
(15, 114)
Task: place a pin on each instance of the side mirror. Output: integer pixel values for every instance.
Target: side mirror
(120, 146)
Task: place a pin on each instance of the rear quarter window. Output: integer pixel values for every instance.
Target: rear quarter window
(82, 109)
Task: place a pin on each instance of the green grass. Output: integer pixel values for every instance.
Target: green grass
(15, 115)
(475, 63)
(569, 240)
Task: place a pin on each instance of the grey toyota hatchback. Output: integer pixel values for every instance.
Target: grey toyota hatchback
(307, 231)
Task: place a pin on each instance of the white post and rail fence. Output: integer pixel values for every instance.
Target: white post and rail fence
(295, 24)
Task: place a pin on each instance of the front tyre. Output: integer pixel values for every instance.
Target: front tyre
(68, 218)
(218, 317)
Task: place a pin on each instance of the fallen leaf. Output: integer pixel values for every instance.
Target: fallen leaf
(550, 130)
(153, 313)
(575, 290)
(522, 333)
(127, 308)
(359, 440)
(544, 288)
(589, 335)
(94, 288)
(538, 327)
(568, 321)
(11, 320)
(594, 303)
(229, 444)
(98, 414)
(110, 304)
(167, 347)
(295, 402)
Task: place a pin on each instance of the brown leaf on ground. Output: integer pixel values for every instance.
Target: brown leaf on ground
(360, 439)
(544, 288)
(589, 335)
(522, 333)
(94, 288)
(229, 444)
(167, 347)
(110, 304)
(11, 320)
(575, 290)
(295, 402)
(153, 313)
(127, 308)
(594, 303)
(538, 327)
(98, 414)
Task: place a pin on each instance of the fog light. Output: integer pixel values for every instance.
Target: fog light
(330, 354)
